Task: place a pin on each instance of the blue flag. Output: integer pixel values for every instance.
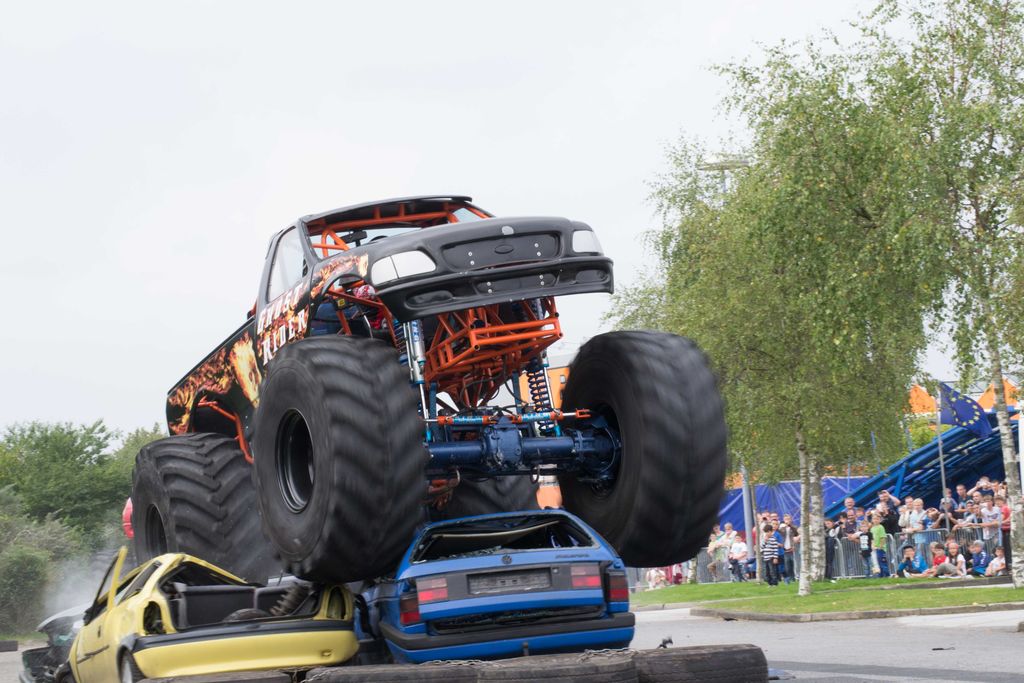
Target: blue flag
(963, 411)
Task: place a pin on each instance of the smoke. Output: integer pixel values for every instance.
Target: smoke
(76, 580)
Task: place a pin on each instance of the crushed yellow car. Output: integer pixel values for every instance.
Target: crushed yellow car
(177, 615)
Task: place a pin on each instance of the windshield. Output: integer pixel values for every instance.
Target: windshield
(490, 536)
(464, 215)
(99, 604)
(101, 594)
(137, 583)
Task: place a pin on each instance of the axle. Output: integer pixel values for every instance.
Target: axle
(502, 449)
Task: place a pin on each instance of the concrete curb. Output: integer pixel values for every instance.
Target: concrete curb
(849, 616)
(8, 646)
(664, 605)
(930, 584)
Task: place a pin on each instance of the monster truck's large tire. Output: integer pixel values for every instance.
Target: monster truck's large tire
(194, 494)
(501, 494)
(339, 458)
(658, 392)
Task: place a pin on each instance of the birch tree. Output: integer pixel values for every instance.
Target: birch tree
(797, 385)
(964, 70)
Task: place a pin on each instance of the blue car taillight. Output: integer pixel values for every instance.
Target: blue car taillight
(617, 588)
(408, 608)
(432, 590)
(585, 576)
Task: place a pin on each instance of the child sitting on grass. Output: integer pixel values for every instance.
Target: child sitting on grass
(955, 566)
(913, 565)
(979, 559)
(997, 567)
(938, 558)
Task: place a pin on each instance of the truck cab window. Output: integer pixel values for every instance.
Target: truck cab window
(289, 264)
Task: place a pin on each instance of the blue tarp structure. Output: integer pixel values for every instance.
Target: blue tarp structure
(783, 498)
(966, 458)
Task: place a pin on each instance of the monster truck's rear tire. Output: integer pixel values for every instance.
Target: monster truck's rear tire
(657, 391)
(193, 493)
(501, 494)
(339, 458)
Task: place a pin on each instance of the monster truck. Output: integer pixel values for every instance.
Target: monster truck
(365, 388)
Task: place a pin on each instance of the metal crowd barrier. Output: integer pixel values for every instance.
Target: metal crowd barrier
(721, 574)
(850, 564)
(967, 536)
(847, 561)
(921, 540)
(635, 577)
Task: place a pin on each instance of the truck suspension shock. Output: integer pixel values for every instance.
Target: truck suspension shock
(540, 394)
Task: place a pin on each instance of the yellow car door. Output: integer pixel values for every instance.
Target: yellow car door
(95, 652)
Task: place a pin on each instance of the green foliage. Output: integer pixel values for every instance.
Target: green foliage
(23, 574)
(797, 335)
(69, 472)
(922, 430)
(963, 76)
(30, 552)
(62, 488)
(884, 191)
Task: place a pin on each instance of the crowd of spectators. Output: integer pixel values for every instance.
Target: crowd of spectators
(923, 552)
(956, 551)
(660, 577)
(777, 544)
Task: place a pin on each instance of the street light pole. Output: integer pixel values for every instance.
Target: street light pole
(724, 163)
(938, 430)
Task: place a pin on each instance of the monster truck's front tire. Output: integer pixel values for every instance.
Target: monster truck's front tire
(339, 458)
(658, 393)
(193, 493)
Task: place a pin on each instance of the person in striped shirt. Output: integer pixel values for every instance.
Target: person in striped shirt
(770, 554)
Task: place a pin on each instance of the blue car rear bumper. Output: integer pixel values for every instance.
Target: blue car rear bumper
(615, 630)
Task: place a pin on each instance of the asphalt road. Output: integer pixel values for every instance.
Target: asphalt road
(959, 647)
(10, 663)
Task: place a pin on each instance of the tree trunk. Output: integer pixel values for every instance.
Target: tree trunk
(813, 530)
(756, 531)
(804, 457)
(1011, 465)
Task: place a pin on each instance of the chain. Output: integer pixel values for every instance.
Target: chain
(457, 662)
(607, 652)
(583, 657)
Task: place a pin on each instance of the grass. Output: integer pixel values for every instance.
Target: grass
(704, 592)
(860, 600)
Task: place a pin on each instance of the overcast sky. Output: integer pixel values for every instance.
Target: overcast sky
(148, 151)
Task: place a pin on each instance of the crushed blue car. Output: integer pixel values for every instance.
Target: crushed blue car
(502, 585)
